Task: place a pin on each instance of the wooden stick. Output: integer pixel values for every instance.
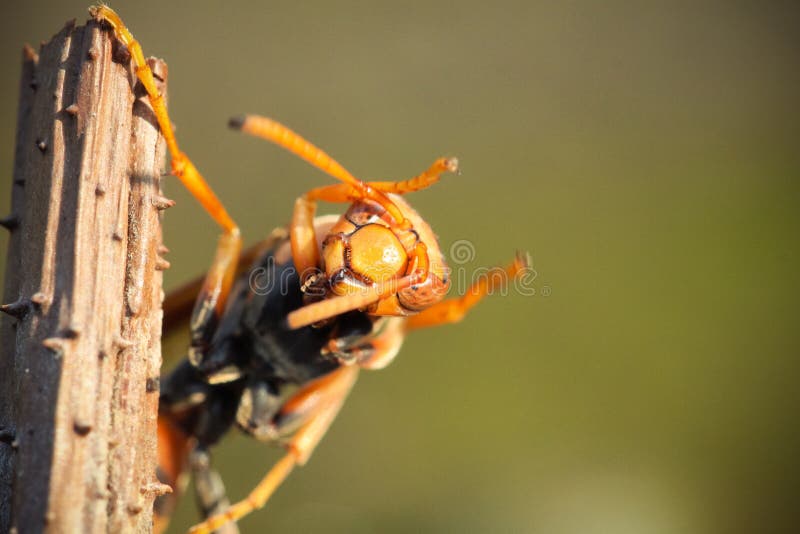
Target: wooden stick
(80, 349)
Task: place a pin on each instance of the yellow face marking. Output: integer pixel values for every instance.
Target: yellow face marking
(377, 253)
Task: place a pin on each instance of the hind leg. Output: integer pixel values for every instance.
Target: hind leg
(209, 489)
(314, 408)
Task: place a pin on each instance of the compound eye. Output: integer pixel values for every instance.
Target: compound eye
(333, 253)
(377, 254)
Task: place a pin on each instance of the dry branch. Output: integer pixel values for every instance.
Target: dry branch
(80, 348)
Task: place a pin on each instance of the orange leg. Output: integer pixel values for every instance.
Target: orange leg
(178, 303)
(346, 193)
(282, 136)
(305, 251)
(453, 310)
(422, 181)
(318, 403)
(174, 447)
(386, 344)
(220, 276)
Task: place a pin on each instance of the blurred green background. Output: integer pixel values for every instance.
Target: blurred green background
(646, 155)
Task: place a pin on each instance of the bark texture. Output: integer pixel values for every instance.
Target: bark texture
(80, 345)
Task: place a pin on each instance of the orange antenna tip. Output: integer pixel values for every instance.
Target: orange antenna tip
(451, 165)
(521, 262)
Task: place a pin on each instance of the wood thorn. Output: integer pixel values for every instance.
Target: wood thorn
(40, 300)
(41, 144)
(10, 222)
(162, 264)
(101, 494)
(55, 344)
(155, 488)
(100, 190)
(121, 54)
(72, 332)
(82, 428)
(162, 203)
(72, 109)
(29, 54)
(152, 384)
(18, 309)
(7, 435)
(162, 249)
(122, 343)
(159, 68)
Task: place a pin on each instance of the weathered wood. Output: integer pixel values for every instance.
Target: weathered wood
(80, 353)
